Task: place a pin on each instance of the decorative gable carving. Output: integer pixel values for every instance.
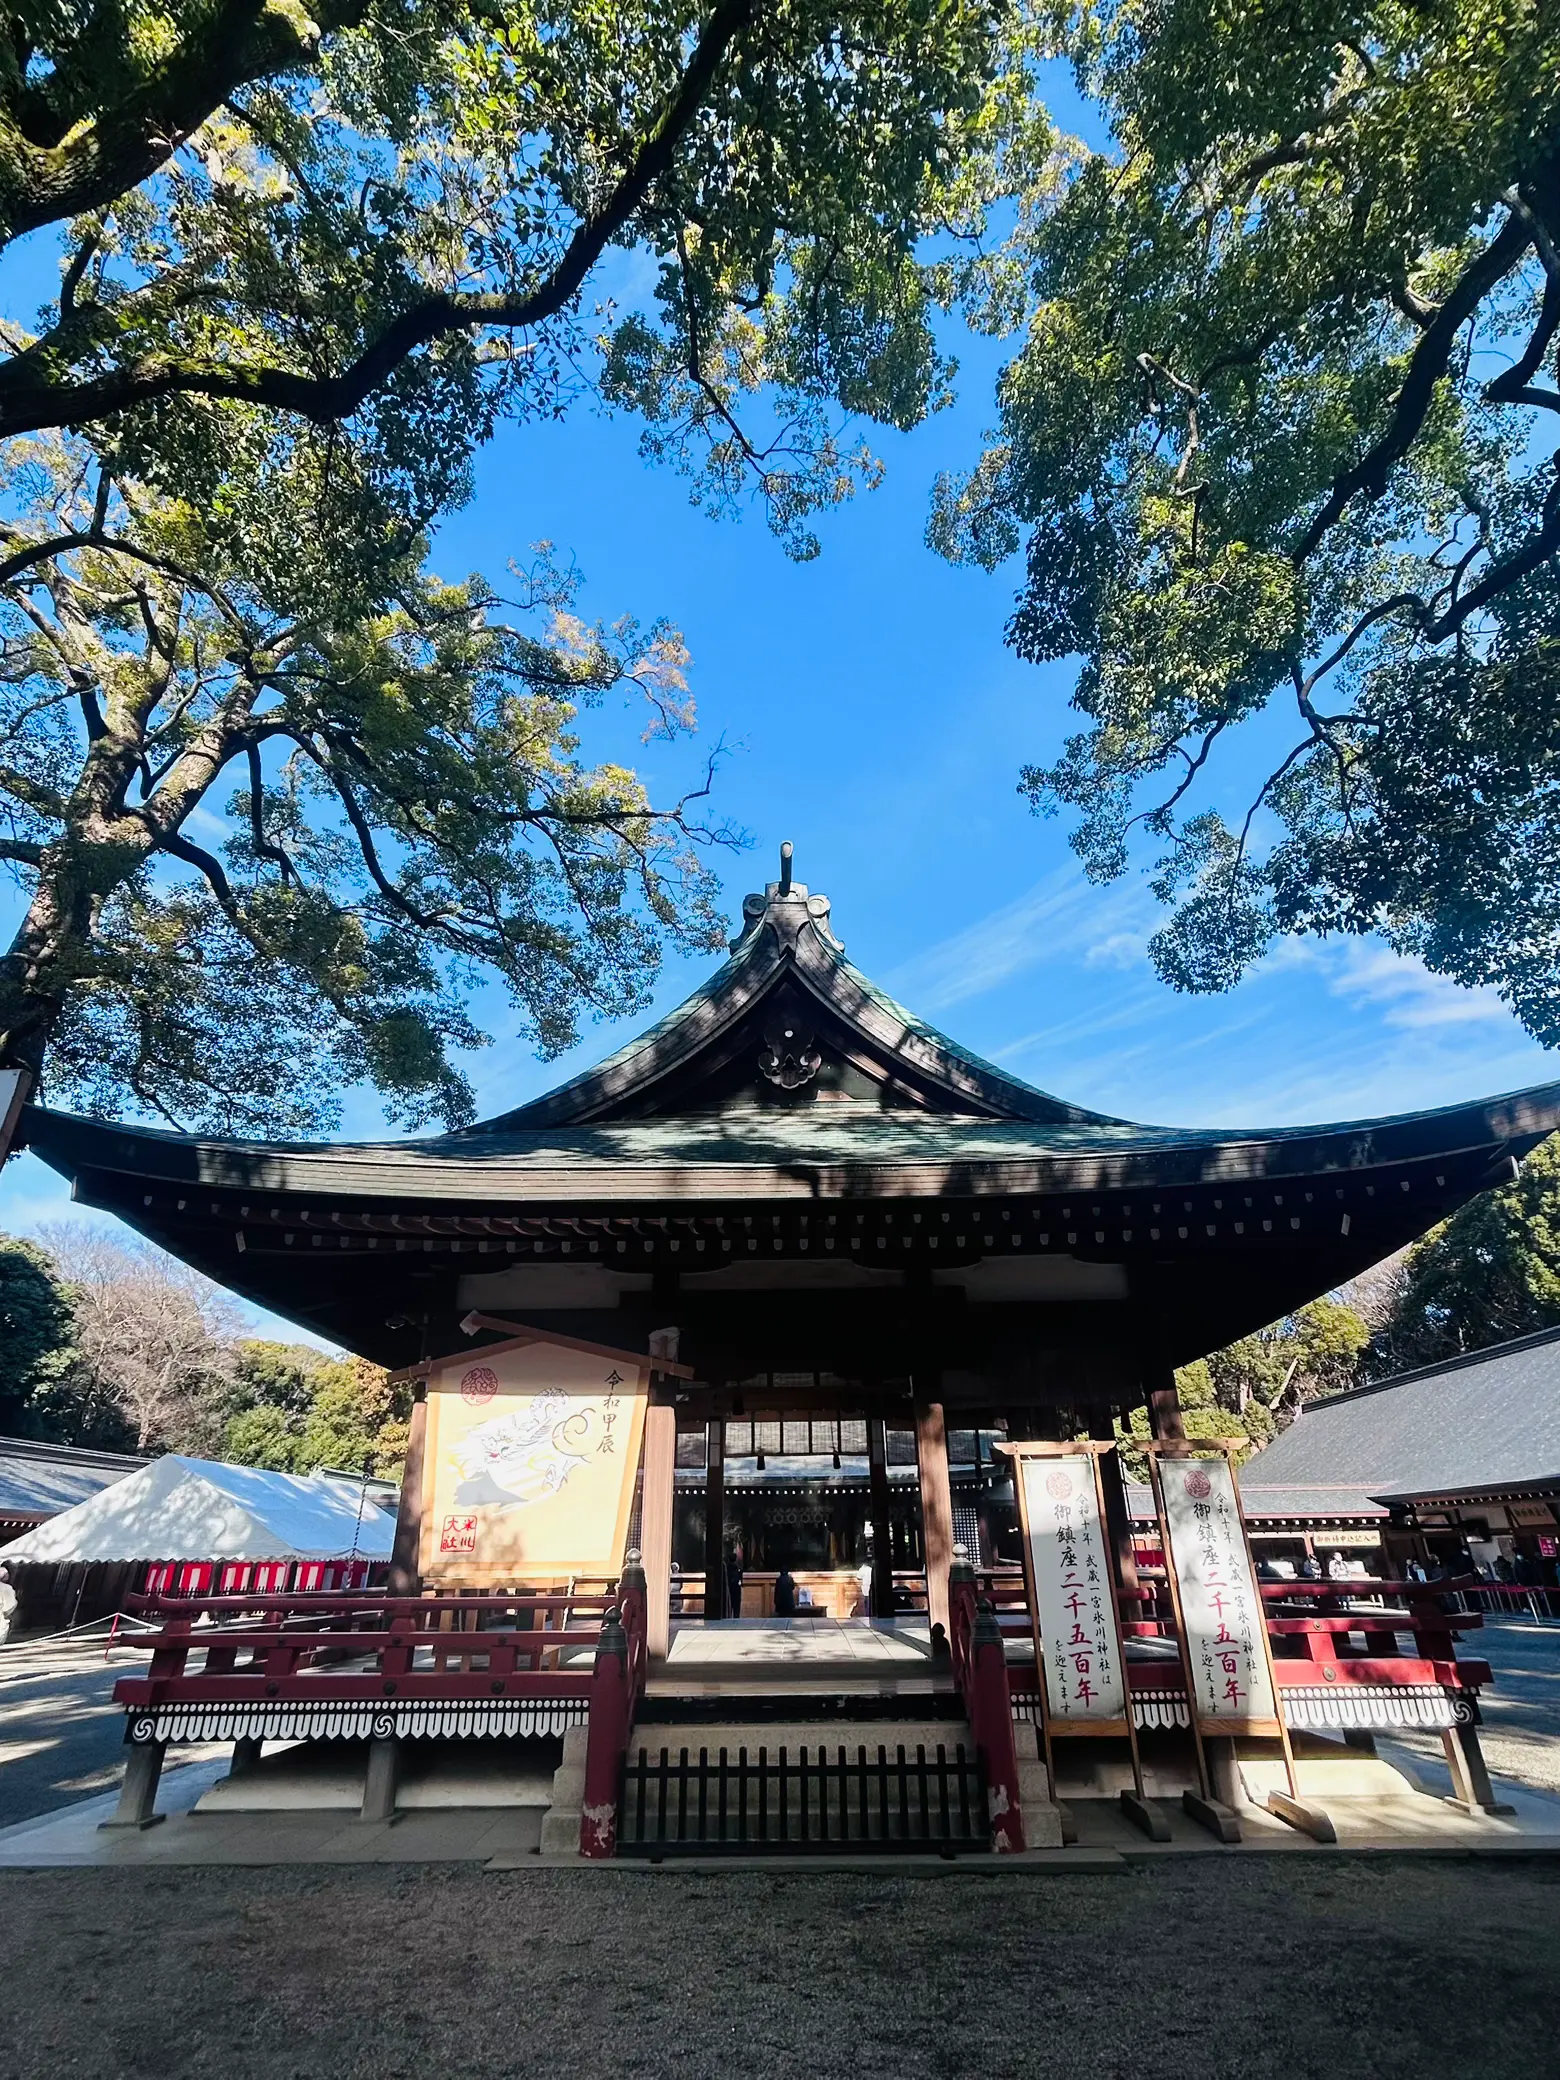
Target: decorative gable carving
(789, 1057)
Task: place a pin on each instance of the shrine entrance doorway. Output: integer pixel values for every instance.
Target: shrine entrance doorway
(799, 1473)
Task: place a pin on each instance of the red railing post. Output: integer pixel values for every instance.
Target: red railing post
(606, 1742)
(980, 1670)
(991, 1721)
(633, 1609)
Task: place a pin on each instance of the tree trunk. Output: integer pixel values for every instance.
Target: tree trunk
(53, 944)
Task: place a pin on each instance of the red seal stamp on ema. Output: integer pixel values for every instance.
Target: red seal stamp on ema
(1058, 1485)
(478, 1385)
(458, 1534)
(1198, 1485)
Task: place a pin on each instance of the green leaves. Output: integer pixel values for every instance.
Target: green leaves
(274, 833)
(1489, 1273)
(387, 233)
(1282, 428)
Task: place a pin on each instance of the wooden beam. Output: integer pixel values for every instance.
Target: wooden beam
(1164, 1404)
(931, 1450)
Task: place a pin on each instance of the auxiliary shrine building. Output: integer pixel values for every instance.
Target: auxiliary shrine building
(881, 1255)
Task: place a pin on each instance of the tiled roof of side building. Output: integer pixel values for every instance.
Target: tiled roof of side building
(1484, 1422)
(40, 1480)
(1261, 1500)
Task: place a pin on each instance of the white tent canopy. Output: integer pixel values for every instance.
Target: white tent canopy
(201, 1509)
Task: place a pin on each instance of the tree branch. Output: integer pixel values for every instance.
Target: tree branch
(180, 847)
(60, 163)
(29, 406)
(1428, 363)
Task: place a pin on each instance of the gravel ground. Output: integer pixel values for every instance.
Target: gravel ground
(1521, 1731)
(61, 1734)
(1266, 1968)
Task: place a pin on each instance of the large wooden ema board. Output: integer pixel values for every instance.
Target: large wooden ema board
(529, 1461)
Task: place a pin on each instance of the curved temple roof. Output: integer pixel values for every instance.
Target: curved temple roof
(789, 1080)
(933, 1117)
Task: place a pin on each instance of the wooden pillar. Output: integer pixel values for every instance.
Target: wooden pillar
(1471, 1785)
(715, 1522)
(882, 1536)
(381, 1779)
(655, 1521)
(138, 1793)
(931, 1451)
(1164, 1404)
(403, 1578)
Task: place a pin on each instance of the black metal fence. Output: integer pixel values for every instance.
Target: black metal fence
(809, 1801)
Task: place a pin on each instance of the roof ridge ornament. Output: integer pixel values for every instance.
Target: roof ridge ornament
(789, 907)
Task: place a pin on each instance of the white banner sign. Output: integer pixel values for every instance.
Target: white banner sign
(1078, 1639)
(1220, 1606)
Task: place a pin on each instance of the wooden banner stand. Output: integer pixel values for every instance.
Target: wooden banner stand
(1056, 1724)
(1217, 1817)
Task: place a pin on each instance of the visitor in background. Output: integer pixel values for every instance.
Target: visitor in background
(734, 1579)
(864, 1583)
(785, 1593)
(1337, 1568)
(1311, 1568)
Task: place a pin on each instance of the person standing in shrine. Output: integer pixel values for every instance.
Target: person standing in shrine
(734, 1579)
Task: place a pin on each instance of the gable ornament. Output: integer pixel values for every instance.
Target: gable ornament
(789, 1057)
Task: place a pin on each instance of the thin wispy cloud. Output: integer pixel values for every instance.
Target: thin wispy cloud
(1408, 993)
(1060, 919)
(1319, 1031)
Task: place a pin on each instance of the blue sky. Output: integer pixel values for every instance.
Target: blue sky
(874, 717)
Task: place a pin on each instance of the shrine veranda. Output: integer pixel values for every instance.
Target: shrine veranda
(793, 1287)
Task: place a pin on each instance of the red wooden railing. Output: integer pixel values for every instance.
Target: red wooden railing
(357, 1649)
(980, 1670)
(1335, 1632)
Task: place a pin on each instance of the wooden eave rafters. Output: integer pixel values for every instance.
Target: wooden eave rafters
(678, 1164)
(1114, 1226)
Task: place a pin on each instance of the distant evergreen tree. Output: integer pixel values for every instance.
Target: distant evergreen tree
(37, 1335)
(297, 1408)
(1489, 1273)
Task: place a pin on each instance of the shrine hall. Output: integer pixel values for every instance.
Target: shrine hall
(762, 1452)
(881, 1255)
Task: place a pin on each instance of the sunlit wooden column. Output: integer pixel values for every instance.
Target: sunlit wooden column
(403, 1578)
(931, 1451)
(655, 1521)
